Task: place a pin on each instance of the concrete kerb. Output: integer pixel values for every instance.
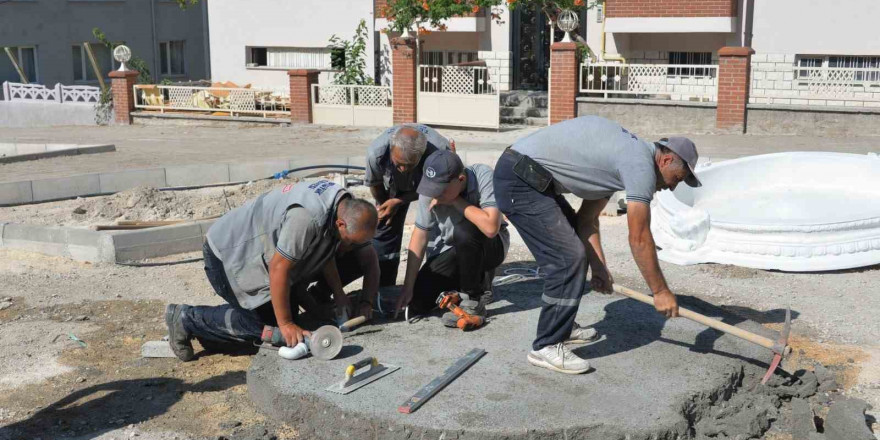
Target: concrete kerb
(105, 246)
(10, 153)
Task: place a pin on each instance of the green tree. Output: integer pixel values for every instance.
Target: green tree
(409, 14)
(136, 62)
(350, 57)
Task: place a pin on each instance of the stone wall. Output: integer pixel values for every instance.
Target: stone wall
(671, 8)
(774, 82)
(653, 117)
(822, 121)
(39, 114)
(500, 62)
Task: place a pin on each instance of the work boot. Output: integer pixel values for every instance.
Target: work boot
(582, 335)
(178, 337)
(558, 357)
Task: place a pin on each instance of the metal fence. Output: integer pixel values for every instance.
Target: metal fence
(352, 95)
(817, 86)
(460, 80)
(235, 102)
(60, 94)
(352, 105)
(678, 82)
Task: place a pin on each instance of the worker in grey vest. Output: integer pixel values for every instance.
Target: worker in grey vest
(592, 158)
(262, 257)
(394, 168)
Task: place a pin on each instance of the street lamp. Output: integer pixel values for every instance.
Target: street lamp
(567, 22)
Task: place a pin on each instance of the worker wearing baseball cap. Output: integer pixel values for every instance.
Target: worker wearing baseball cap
(592, 158)
(460, 226)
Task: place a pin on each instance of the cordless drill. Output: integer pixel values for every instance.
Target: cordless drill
(466, 321)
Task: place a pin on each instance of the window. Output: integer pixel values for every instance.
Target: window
(446, 57)
(689, 58)
(82, 67)
(868, 67)
(171, 56)
(290, 57)
(27, 60)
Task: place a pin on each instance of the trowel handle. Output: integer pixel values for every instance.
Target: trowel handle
(702, 319)
(351, 369)
(352, 323)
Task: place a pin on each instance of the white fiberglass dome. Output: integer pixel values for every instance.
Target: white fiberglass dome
(786, 211)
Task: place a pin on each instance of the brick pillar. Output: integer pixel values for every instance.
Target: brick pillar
(403, 81)
(122, 89)
(563, 81)
(734, 80)
(301, 81)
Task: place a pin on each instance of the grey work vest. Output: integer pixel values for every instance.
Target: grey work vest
(245, 238)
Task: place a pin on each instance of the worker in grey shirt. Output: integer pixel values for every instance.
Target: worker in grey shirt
(262, 257)
(394, 168)
(592, 158)
(459, 224)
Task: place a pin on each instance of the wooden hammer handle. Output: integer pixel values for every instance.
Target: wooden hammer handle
(702, 319)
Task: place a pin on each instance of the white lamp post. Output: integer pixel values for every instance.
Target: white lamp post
(567, 22)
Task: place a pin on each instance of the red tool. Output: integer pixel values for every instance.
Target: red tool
(466, 321)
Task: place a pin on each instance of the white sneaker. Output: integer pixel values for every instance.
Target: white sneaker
(559, 358)
(582, 335)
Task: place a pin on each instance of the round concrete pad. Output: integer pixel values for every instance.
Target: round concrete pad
(651, 378)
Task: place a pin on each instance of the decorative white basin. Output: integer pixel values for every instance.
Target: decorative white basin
(799, 212)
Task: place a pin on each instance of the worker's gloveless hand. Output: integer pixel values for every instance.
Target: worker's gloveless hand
(366, 310)
(386, 210)
(666, 304)
(343, 302)
(402, 301)
(601, 280)
(293, 334)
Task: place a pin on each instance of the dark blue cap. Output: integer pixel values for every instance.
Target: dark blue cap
(440, 168)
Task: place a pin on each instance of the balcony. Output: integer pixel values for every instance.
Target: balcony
(671, 16)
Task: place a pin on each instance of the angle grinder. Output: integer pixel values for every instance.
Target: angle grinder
(325, 343)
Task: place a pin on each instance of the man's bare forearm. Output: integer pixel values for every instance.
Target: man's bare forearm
(641, 242)
(380, 194)
(588, 230)
(279, 289)
(369, 263)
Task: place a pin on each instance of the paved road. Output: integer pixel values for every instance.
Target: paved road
(152, 146)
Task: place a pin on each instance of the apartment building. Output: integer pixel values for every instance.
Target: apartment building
(47, 36)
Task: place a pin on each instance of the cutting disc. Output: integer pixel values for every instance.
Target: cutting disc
(325, 342)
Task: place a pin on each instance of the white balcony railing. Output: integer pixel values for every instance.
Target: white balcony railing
(677, 82)
(458, 80)
(234, 101)
(61, 94)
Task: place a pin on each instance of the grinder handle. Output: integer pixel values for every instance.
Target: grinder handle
(702, 319)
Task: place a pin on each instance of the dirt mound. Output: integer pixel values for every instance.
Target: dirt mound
(148, 204)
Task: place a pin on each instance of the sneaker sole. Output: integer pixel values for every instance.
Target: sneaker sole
(583, 341)
(538, 362)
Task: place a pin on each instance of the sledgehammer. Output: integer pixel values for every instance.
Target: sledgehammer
(779, 347)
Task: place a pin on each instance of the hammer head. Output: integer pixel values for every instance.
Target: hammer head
(781, 349)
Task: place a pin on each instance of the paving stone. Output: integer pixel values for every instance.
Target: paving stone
(255, 170)
(157, 349)
(15, 193)
(802, 425)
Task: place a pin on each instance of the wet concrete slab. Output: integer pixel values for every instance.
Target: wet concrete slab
(651, 378)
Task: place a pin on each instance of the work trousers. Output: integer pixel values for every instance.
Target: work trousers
(231, 323)
(467, 267)
(546, 223)
(387, 242)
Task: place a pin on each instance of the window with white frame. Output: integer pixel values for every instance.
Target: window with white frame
(290, 57)
(687, 60)
(171, 58)
(867, 68)
(26, 56)
(82, 67)
(446, 57)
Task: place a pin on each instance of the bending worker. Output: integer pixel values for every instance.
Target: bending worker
(468, 239)
(590, 157)
(261, 257)
(394, 168)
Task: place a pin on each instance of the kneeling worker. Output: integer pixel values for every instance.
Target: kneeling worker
(261, 257)
(468, 239)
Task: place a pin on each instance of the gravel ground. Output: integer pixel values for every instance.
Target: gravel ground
(114, 309)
